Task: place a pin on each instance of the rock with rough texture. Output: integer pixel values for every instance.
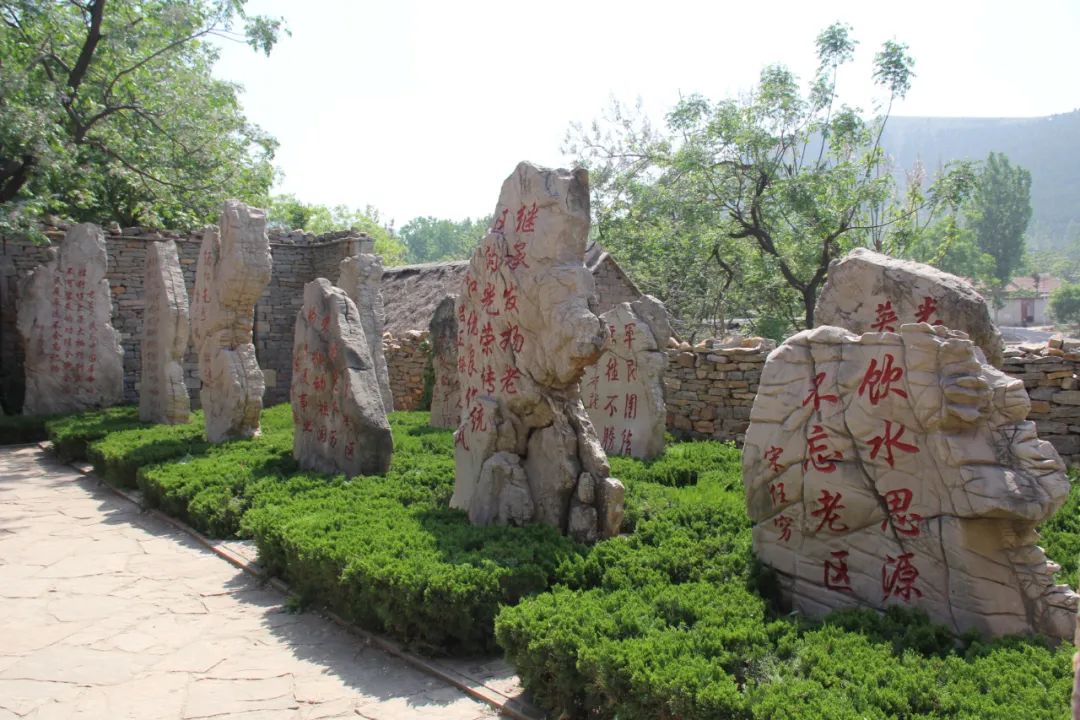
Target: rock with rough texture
(163, 394)
(361, 278)
(897, 468)
(445, 392)
(525, 449)
(624, 391)
(74, 361)
(232, 272)
(870, 292)
(339, 417)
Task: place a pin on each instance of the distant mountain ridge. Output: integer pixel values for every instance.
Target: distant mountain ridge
(1048, 147)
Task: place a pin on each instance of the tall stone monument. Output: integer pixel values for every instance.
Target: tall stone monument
(870, 292)
(525, 449)
(74, 361)
(361, 277)
(163, 394)
(624, 391)
(446, 392)
(338, 413)
(897, 469)
(232, 272)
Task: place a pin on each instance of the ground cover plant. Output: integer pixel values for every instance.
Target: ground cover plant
(671, 620)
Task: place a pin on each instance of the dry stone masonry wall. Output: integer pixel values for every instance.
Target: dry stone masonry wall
(408, 360)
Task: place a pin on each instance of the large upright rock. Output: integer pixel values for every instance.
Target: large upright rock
(361, 277)
(525, 449)
(870, 292)
(339, 417)
(895, 468)
(233, 270)
(624, 391)
(446, 391)
(74, 361)
(163, 394)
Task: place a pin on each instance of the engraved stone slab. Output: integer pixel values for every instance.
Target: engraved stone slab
(163, 395)
(446, 393)
(361, 278)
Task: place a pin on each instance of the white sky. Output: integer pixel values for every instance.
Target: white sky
(423, 108)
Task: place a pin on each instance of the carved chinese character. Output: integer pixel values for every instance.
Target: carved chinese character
(526, 219)
(784, 523)
(815, 395)
(772, 455)
(903, 522)
(898, 576)
(820, 458)
(836, 572)
(889, 440)
(886, 316)
(879, 380)
(829, 512)
(926, 309)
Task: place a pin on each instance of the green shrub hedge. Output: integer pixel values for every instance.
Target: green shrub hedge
(19, 429)
(71, 435)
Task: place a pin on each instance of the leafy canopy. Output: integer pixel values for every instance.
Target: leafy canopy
(286, 212)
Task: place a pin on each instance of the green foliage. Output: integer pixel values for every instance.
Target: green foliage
(18, 429)
(119, 454)
(109, 111)
(999, 213)
(1065, 303)
(431, 239)
(288, 213)
(1060, 535)
(71, 435)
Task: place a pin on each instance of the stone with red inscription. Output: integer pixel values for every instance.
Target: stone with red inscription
(74, 361)
(624, 391)
(361, 277)
(525, 449)
(232, 272)
(339, 419)
(897, 468)
(445, 392)
(870, 292)
(163, 394)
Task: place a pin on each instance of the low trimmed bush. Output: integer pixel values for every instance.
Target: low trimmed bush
(20, 429)
(119, 455)
(71, 435)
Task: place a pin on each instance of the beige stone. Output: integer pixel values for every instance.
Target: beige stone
(74, 361)
(361, 277)
(624, 390)
(233, 270)
(897, 468)
(868, 292)
(446, 391)
(338, 414)
(527, 336)
(163, 394)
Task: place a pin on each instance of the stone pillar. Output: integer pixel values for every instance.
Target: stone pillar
(163, 394)
(340, 422)
(361, 278)
(525, 448)
(446, 394)
(624, 391)
(74, 361)
(233, 270)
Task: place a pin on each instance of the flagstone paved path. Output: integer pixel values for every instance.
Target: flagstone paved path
(107, 612)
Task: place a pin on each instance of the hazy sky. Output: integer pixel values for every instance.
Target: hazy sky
(423, 108)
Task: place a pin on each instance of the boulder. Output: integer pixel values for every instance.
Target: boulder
(74, 361)
(527, 336)
(163, 394)
(870, 292)
(898, 469)
(361, 277)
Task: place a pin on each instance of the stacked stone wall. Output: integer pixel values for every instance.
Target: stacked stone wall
(1051, 375)
(408, 361)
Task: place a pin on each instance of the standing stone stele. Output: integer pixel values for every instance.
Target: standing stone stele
(339, 419)
(163, 394)
(74, 361)
(232, 272)
(525, 449)
(446, 392)
(624, 391)
(870, 292)
(361, 277)
(898, 469)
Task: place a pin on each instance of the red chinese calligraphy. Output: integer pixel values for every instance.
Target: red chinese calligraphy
(627, 438)
(777, 494)
(526, 219)
(925, 309)
(492, 259)
(608, 441)
(518, 258)
(510, 298)
(815, 395)
(628, 334)
(784, 523)
(879, 380)
(611, 408)
(511, 337)
(829, 512)
(459, 438)
(487, 339)
(885, 318)
(899, 579)
(772, 455)
(818, 449)
(889, 440)
(500, 221)
(630, 406)
(631, 370)
(508, 378)
(836, 572)
(488, 378)
(476, 419)
(903, 522)
(612, 371)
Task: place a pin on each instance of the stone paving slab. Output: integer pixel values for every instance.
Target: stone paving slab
(109, 612)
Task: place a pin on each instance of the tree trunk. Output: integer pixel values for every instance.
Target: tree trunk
(13, 175)
(809, 302)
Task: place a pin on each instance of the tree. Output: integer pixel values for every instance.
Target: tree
(108, 110)
(286, 212)
(432, 239)
(999, 213)
(795, 179)
(1065, 303)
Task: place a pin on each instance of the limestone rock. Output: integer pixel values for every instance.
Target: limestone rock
(232, 272)
(74, 361)
(869, 292)
(361, 277)
(163, 394)
(624, 391)
(525, 336)
(338, 413)
(897, 468)
(446, 393)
